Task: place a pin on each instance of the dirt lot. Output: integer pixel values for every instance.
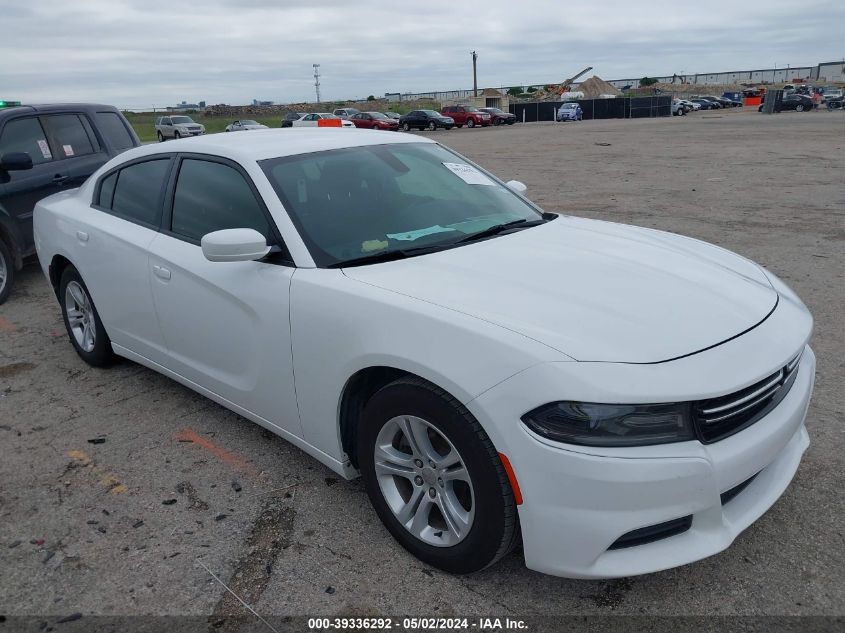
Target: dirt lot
(118, 487)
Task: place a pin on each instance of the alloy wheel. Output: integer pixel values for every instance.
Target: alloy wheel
(80, 316)
(4, 273)
(424, 481)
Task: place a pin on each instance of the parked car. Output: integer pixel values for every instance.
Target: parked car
(345, 113)
(245, 124)
(499, 116)
(425, 120)
(705, 104)
(678, 108)
(177, 126)
(290, 117)
(618, 399)
(467, 115)
(570, 112)
(833, 94)
(47, 149)
(794, 101)
(713, 101)
(374, 121)
(691, 106)
(393, 115)
(312, 120)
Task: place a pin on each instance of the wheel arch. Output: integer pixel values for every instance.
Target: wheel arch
(357, 391)
(8, 238)
(57, 267)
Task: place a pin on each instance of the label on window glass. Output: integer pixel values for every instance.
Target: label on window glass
(468, 174)
(45, 149)
(68, 150)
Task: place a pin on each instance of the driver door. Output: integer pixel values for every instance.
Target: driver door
(225, 324)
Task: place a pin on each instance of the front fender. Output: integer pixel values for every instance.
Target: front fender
(340, 326)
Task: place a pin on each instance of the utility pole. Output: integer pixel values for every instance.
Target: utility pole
(474, 75)
(317, 80)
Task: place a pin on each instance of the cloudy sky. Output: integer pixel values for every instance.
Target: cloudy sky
(137, 53)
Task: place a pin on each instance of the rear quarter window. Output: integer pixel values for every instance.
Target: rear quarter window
(137, 193)
(114, 130)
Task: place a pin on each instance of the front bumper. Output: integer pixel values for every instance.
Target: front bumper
(579, 500)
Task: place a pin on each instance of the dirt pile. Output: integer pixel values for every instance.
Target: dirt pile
(595, 87)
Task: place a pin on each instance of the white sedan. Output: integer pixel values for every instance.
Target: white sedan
(322, 119)
(623, 400)
(244, 124)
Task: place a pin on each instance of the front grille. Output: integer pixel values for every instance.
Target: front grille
(718, 418)
(652, 533)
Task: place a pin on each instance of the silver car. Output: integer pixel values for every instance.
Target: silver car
(177, 126)
(244, 124)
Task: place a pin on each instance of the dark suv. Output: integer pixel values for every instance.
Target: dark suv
(45, 149)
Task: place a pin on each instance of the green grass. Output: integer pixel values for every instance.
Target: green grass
(144, 123)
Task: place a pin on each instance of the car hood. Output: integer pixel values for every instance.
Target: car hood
(595, 291)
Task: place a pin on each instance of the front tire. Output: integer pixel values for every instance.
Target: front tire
(82, 321)
(799, 107)
(470, 123)
(160, 136)
(406, 127)
(176, 135)
(435, 479)
(7, 271)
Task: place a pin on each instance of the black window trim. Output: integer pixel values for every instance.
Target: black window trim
(161, 196)
(282, 256)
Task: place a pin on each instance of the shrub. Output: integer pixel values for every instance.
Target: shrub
(648, 81)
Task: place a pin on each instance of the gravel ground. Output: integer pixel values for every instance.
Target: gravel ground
(118, 488)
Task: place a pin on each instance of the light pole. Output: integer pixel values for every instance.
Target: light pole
(474, 75)
(317, 80)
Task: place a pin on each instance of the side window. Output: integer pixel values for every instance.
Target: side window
(210, 197)
(26, 135)
(107, 191)
(114, 130)
(138, 191)
(69, 134)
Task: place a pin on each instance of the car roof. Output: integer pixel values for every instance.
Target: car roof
(264, 144)
(56, 107)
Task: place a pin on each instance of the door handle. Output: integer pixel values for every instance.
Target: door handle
(82, 236)
(161, 272)
(59, 179)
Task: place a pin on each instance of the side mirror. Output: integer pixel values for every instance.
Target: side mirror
(15, 161)
(515, 185)
(234, 245)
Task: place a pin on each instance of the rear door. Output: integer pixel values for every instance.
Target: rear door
(113, 236)
(20, 190)
(226, 324)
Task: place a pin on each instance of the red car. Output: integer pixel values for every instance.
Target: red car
(374, 121)
(467, 115)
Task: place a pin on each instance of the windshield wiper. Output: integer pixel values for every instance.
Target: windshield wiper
(499, 228)
(388, 256)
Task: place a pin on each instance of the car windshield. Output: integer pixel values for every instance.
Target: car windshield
(176, 120)
(472, 109)
(431, 113)
(569, 106)
(496, 110)
(377, 115)
(248, 122)
(352, 203)
(326, 115)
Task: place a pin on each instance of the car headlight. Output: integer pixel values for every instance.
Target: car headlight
(593, 424)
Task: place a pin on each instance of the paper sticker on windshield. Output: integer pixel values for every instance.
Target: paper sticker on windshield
(45, 149)
(412, 235)
(68, 150)
(468, 174)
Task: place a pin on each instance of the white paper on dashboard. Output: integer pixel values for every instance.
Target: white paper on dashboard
(468, 174)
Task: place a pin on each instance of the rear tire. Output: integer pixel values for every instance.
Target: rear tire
(420, 450)
(7, 271)
(82, 321)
